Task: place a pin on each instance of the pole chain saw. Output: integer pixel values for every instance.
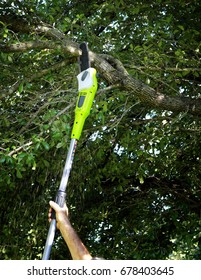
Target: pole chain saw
(87, 87)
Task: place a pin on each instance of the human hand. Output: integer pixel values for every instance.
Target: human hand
(61, 213)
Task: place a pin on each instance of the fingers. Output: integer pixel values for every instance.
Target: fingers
(54, 205)
(60, 211)
(57, 208)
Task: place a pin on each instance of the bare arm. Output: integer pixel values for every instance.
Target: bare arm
(76, 247)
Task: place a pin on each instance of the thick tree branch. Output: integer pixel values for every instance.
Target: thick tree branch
(26, 46)
(143, 92)
(154, 99)
(112, 71)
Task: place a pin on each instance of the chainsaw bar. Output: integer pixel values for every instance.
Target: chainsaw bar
(84, 57)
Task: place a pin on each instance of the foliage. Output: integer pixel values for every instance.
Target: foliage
(134, 190)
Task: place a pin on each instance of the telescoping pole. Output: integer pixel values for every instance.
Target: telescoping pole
(87, 87)
(60, 198)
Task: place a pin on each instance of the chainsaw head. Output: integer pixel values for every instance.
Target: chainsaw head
(84, 61)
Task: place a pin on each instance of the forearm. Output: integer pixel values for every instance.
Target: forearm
(76, 247)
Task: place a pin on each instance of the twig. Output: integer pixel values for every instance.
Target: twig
(20, 148)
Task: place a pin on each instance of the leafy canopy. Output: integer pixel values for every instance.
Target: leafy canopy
(134, 190)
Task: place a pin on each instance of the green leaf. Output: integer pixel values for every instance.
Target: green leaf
(59, 145)
(181, 27)
(34, 166)
(2, 159)
(10, 58)
(141, 180)
(120, 188)
(21, 87)
(19, 174)
(46, 145)
(46, 163)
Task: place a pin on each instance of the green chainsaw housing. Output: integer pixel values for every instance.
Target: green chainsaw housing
(87, 86)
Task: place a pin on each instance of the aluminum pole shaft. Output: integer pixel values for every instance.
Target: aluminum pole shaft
(68, 165)
(60, 198)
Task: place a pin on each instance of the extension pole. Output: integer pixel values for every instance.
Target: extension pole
(60, 198)
(87, 87)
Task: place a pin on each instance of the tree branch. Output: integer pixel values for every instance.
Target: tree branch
(143, 92)
(26, 46)
(113, 72)
(20, 148)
